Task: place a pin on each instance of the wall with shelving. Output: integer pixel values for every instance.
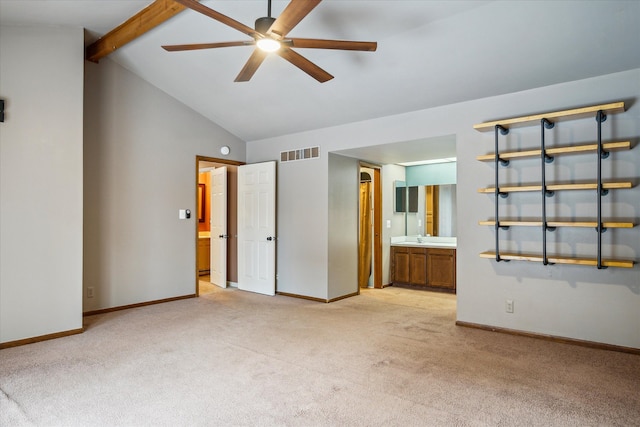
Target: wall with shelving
(550, 216)
(561, 300)
(567, 301)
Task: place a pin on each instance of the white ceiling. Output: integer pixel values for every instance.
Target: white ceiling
(430, 53)
(440, 147)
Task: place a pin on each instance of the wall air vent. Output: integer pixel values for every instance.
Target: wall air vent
(300, 154)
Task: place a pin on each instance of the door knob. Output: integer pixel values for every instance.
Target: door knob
(271, 238)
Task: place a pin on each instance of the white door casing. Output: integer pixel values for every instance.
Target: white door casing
(257, 227)
(218, 257)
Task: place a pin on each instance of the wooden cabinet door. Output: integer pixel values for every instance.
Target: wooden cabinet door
(441, 268)
(204, 251)
(418, 266)
(399, 265)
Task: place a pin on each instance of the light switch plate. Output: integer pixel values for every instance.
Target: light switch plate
(508, 306)
(182, 214)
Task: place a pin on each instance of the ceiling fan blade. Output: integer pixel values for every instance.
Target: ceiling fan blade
(180, 47)
(304, 64)
(251, 66)
(295, 11)
(194, 5)
(333, 44)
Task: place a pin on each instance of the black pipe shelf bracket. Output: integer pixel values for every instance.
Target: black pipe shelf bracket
(600, 118)
(504, 131)
(546, 155)
(545, 158)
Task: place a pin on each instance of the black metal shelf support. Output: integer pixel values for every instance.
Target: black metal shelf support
(545, 158)
(602, 154)
(498, 161)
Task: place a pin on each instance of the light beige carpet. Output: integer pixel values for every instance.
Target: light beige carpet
(390, 357)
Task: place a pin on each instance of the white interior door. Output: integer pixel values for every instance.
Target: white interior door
(257, 228)
(218, 261)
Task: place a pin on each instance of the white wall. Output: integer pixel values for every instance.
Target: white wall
(344, 193)
(569, 301)
(140, 169)
(40, 181)
(297, 180)
(390, 174)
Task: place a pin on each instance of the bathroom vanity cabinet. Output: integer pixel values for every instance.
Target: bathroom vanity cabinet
(423, 267)
(204, 252)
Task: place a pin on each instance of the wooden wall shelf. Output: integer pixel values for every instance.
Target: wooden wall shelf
(559, 187)
(573, 114)
(560, 259)
(585, 224)
(575, 149)
(546, 155)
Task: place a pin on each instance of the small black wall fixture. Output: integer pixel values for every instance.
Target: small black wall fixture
(1, 110)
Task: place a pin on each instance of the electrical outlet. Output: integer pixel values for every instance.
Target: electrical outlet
(89, 292)
(508, 306)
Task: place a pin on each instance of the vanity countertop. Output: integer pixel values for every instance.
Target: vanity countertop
(425, 242)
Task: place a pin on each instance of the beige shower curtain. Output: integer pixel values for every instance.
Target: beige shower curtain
(364, 252)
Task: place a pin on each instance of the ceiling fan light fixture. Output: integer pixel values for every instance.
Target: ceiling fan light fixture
(268, 44)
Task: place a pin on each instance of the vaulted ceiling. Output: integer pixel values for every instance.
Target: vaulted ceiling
(430, 53)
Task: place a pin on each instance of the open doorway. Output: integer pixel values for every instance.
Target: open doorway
(370, 228)
(415, 163)
(204, 237)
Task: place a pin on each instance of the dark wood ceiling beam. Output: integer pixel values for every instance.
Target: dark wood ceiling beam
(148, 18)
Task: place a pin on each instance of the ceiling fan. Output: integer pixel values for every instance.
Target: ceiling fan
(270, 35)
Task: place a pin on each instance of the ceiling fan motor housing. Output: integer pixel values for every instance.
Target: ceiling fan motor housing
(263, 24)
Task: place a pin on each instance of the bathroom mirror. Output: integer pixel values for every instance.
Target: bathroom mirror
(436, 211)
(405, 198)
(202, 205)
(400, 196)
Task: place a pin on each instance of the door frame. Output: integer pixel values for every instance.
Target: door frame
(377, 222)
(221, 162)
